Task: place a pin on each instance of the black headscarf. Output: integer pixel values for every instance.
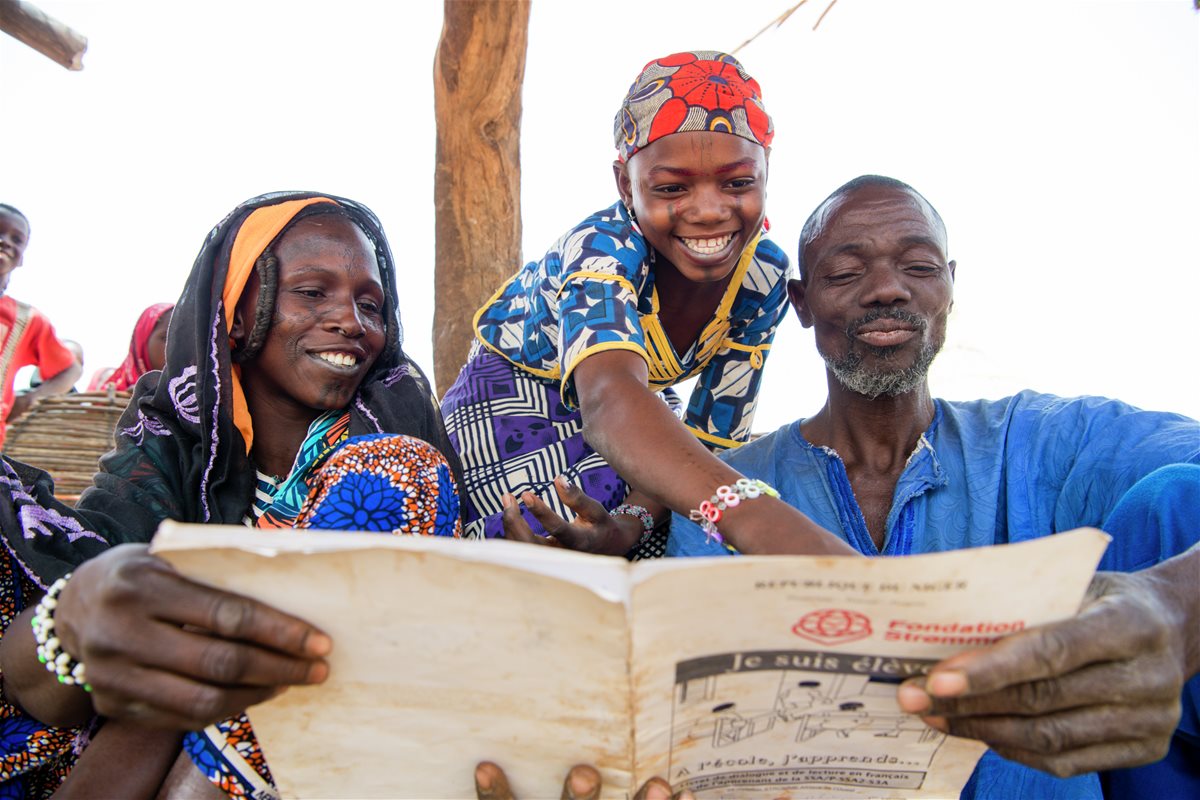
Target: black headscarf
(179, 454)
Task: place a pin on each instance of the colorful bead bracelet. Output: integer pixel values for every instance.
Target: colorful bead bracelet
(642, 513)
(49, 649)
(713, 509)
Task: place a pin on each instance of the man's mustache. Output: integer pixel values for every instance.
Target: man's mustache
(918, 323)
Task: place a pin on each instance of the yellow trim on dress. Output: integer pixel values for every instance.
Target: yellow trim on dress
(599, 348)
(711, 439)
(664, 366)
(757, 351)
(721, 315)
(487, 305)
(663, 360)
(549, 374)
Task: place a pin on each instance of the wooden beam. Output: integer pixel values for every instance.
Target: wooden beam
(27, 23)
(477, 77)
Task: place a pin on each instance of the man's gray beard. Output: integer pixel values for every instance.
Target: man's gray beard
(851, 373)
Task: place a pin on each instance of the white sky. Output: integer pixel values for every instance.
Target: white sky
(1060, 141)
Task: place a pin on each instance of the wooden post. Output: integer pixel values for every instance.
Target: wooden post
(477, 77)
(27, 23)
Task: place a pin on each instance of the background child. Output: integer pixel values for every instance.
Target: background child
(26, 336)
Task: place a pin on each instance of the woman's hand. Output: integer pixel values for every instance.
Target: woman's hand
(125, 760)
(593, 530)
(582, 783)
(165, 651)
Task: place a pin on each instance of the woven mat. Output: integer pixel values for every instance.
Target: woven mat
(66, 435)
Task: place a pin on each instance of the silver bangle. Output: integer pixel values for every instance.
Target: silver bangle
(642, 513)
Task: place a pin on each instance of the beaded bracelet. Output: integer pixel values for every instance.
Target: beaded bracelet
(642, 513)
(712, 509)
(49, 651)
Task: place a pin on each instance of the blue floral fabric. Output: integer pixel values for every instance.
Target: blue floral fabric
(34, 757)
(376, 482)
(384, 483)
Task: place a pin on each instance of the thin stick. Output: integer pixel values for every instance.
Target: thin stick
(832, 3)
(776, 22)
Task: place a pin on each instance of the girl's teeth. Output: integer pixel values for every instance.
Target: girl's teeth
(707, 247)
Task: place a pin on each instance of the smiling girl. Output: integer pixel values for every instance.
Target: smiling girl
(566, 381)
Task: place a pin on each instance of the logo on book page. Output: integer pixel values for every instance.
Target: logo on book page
(833, 626)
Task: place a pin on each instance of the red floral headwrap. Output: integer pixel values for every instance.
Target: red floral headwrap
(699, 91)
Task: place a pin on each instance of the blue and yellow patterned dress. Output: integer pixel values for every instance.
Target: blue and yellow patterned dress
(513, 414)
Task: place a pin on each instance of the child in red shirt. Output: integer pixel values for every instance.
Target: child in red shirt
(26, 336)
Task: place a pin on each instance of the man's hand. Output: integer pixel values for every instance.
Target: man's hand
(164, 651)
(582, 783)
(1098, 691)
(20, 406)
(593, 530)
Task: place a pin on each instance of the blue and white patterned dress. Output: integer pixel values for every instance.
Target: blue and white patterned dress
(513, 413)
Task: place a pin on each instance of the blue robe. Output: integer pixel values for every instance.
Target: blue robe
(992, 472)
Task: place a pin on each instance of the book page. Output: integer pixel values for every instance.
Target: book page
(440, 660)
(761, 677)
(752, 677)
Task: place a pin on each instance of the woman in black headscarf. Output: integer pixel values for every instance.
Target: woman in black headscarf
(284, 385)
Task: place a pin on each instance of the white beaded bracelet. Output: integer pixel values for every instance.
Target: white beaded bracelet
(49, 650)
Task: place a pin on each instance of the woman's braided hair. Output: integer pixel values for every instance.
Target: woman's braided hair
(267, 267)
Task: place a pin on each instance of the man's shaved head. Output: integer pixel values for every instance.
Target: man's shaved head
(819, 217)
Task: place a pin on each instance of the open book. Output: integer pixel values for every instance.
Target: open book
(734, 677)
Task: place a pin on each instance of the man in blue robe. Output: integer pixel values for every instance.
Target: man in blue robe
(895, 471)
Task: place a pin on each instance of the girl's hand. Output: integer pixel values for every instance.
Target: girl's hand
(165, 651)
(593, 530)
